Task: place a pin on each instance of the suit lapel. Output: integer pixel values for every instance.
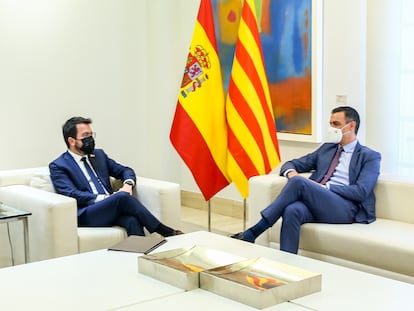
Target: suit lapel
(96, 163)
(330, 154)
(77, 173)
(353, 164)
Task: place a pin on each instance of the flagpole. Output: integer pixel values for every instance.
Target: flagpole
(244, 214)
(209, 216)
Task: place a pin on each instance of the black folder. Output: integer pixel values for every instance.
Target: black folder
(139, 244)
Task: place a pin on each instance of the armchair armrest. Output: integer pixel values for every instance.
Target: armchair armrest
(162, 198)
(263, 190)
(53, 223)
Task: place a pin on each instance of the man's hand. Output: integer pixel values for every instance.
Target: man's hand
(291, 174)
(126, 188)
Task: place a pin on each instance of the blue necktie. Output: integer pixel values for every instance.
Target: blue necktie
(92, 175)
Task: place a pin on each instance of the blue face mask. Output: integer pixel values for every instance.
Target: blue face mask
(88, 145)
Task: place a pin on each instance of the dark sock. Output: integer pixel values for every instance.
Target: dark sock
(164, 230)
(253, 232)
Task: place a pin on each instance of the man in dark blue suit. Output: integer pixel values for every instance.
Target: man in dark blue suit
(83, 173)
(339, 191)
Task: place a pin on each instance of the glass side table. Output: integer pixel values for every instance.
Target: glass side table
(10, 214)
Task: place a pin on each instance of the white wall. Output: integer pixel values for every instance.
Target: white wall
(117, 61)
(65, 58)
(120, 62)
(383, 78)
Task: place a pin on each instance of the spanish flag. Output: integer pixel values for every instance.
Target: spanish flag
(252, 143)
(199, 131)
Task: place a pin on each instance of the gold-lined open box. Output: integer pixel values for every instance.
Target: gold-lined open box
(258, 282)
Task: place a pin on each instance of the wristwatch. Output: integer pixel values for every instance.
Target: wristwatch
(129, 182)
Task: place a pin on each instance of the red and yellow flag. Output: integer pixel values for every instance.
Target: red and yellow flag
(252, 143)
(199, 132)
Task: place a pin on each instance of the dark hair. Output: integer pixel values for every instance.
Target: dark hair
(350, 115)
(69, 129)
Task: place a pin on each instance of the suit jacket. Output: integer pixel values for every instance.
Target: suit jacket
(68, 179)
(364, 170)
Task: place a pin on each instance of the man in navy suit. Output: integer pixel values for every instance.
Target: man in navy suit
(341, 195)
(83, 173)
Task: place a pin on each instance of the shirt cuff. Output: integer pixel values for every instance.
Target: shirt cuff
(287, 172)
(131, 180)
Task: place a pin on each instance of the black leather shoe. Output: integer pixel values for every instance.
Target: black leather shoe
(238, 236)
(177, 232)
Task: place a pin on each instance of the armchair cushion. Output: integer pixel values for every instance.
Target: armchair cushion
(90, 239)
(41, 180)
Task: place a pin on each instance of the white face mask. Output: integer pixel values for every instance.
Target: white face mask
(334, 135)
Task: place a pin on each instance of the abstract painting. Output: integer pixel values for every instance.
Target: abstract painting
(286, 36)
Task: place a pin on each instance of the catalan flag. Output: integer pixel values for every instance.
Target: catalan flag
(199, 131)
(252, 143)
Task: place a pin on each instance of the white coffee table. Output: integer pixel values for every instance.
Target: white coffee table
(100, 280)
(342, 288)
(201, 300)
(104, 280)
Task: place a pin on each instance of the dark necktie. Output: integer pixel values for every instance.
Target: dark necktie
(92, 175)
(333, 165)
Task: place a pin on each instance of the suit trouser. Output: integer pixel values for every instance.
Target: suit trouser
(302, 201)
(120, 209)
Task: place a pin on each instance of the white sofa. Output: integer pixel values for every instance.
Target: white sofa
(384, 247)
(53, 230)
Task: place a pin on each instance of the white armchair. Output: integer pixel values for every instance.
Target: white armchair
(53, 230)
